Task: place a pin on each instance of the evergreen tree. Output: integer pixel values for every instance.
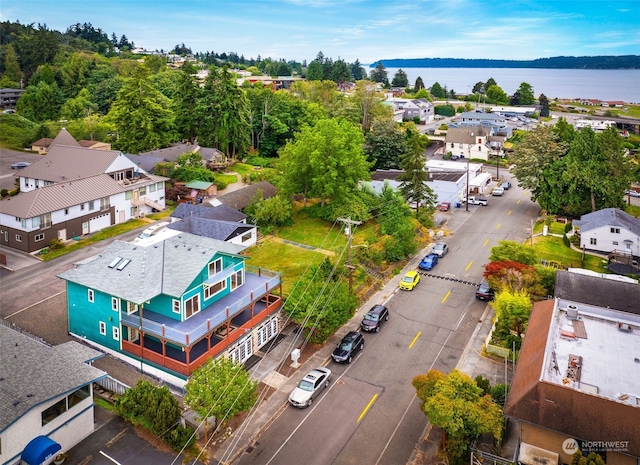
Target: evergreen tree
(413, 185)
(141, 115)
(419, 85)
(379, 74)
(544, 106)
(11, 65)
(400, 79)
(437, 90)
(185, 103)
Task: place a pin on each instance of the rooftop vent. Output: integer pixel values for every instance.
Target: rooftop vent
(624, 327)
(572, 312)
(124, 263)
(115, 262)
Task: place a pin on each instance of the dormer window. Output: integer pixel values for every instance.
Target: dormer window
(215, 267)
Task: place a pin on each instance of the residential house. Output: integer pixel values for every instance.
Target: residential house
(170, 306)
(74, 191)
(494, 123)
(220, 212)
(46, 397)
(408, 109)
(596, 125)
(65, 138)
(228, 231)
(9, 97)
(577, 384)
(609, 230)
(210, 156)
(614, 104)
(469, 142)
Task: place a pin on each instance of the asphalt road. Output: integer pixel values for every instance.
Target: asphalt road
(370, 414)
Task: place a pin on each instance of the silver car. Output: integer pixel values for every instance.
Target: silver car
(440, 249)
(309, 387)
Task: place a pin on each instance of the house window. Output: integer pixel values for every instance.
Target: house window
(38, 237)
(246, 237)
(115, 303)
(242, 351)
(128, 195)
(90, 295)
(152, 188)
(131, 308)
(66, 211)
(35, 222)
(54, 411)
(192, 306)
(81, 206)
(615, 230)
(160, 185)
(615, 242)
(116, 333)
(23, 223)
(210, 291)
(215, 267)
(91, 205)
(143, 190)
(236, 279)
(452, 145)
(104, 203)
(103, 328)
(78, 396)
(593, 241)
(176, 306)
(18, 238)
(133, 211)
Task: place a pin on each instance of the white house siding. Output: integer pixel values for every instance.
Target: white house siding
(250, 238)
(67, 430)
(606, 241)
(123, 163)
(447, 191)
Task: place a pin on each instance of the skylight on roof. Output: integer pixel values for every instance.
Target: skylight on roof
(124, 263)
(115, 262)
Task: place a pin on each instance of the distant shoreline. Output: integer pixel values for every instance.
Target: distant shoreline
(630, 62)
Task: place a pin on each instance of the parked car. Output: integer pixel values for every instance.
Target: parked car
(484, 292)
(428, 262)
(497, 191)
(445, 206)
(410, 280)
(632, 193)
(19, 165)
(440, 249)
(309, 387)
(347, 347)
(506, 185)
(374, 318)
(477, 201)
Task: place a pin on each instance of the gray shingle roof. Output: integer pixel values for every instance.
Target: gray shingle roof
(215, 229)
(66, 163)
(608, 217)
(171, 153)
(66, 194)
(146, 162)
(597, 291)
(241, 198)
(32, 373)
(221, 212)
(465, 135)
(168, 267)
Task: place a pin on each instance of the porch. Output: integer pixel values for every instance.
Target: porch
(184, 346)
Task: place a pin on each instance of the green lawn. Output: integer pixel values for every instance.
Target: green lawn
(315, 232)
(291, 261)
(553, 249)
(554, 227)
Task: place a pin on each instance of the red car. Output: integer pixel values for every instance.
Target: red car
(445, 206)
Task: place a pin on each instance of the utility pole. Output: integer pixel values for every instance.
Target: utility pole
(349, 222)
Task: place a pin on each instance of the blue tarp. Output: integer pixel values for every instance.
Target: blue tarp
(39, 450)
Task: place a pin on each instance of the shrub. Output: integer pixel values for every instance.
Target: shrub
(180, 437)
(56, 244)
(566, 241)
(259, 161)
(4, 192)
(568, 227)
(484, 384)
(499, 393)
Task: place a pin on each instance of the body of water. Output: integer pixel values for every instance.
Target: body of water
(606, 85)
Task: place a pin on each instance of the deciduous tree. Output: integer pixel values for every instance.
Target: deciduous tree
(513, 251)
(497, 95)
(385, 143)
(455, 403)
(514, 308)
(525, 94)
(220, 388)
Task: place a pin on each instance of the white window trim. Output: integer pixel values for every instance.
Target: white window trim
(178, 304)
(90, 295)
(115, 331)
(103, 328)
(115, 304)
(206, 288)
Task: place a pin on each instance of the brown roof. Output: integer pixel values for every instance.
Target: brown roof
(64, 163)
(67, 194)
(44, 142)
(64, 138)
(241, 198)
(566, 410)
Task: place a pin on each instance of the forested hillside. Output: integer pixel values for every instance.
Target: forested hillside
(597, 62)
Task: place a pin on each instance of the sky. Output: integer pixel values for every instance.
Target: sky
(367, 30)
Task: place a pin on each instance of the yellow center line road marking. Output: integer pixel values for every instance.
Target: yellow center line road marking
(499, 224)
(446, 296)
(468, 266)
(517, 202)
(366, 409)
(415, 339)
(485, 242)
(509, 213)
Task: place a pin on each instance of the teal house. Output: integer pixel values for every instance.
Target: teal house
(169, 306)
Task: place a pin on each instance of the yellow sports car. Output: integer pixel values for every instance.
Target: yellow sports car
(410, 280)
